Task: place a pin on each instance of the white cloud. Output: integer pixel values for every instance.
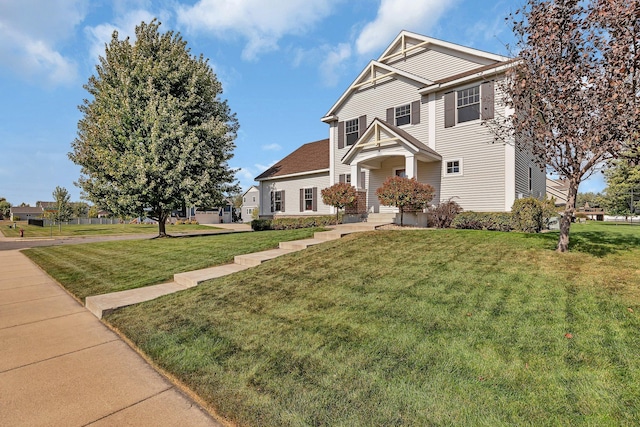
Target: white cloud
(332, 65)
(272, 147)
(261, 168)
(261, 23)
(397, 15)
(124, 25)
(30, 34)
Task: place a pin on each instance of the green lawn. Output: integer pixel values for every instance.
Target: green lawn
(439, 327)
(75, 230)
(98, 268)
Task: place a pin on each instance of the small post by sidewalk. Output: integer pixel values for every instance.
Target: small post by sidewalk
(21, 232)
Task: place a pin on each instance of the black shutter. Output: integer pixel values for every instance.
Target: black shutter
(302, 200)
(272, 201)
(415, 112)
(282, 198)
(449, 109)
(362, 125)
(340, 134)
(390, 114)
(342, 178)
(486, 100)
(315, 199)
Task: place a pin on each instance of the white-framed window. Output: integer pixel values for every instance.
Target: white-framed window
(249, 211)
(276, 201)
(453, 167)
(402, 173)
(403, 115)
(308, 199)
(254, 199)
(351, 129)
(468, 104)
(347, 178)
(244, 200)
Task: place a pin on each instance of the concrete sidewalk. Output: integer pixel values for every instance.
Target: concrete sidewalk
(61, 366)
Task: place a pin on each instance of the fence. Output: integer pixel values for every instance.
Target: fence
(84, 221)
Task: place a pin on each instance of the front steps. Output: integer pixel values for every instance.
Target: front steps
(101, 305)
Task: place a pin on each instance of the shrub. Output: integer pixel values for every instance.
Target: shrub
(441, 215)
(527, 215)
(407, 194)
(302, 222)
(339, 196)
(261, 224)
(493, 221)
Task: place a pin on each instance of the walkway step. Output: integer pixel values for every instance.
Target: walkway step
(101, 305)
(194, 278)
(258, 258)
(300, 244)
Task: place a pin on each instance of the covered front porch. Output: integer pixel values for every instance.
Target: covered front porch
(385, 150)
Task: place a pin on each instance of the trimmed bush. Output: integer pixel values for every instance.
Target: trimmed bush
(261, 224)
(303, 222)
(492, 221)
(527, 215)
(443, 214)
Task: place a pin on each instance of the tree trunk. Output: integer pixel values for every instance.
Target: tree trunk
(162, 223)
(565, 221)
(401, 217)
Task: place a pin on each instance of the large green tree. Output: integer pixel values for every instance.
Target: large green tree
(154, 133)
(5, 208)
(623, 186)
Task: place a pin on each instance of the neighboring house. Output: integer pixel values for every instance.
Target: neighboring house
(222, 214)
(250, 202)
(416, 111)
(25, 213)
(558, 190)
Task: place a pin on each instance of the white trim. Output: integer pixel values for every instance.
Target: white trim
(272, 178)
(404, 168)
(482, 75)
(445, 174)
(509, 168)
(369, 69)
(394, 115)
(436, 42)
(432, 121)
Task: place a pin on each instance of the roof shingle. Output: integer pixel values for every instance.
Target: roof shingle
(310, 157)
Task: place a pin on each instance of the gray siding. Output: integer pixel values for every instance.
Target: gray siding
(291, 187)
(438, 64)
(481, 187)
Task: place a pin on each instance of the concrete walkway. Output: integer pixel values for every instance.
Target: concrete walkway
(60, 366)
(101, 305)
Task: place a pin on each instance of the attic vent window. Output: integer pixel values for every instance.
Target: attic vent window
(403, 115)
(351, 130)
(469, 104)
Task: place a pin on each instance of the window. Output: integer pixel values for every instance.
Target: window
(244, 200)
(308, 199)
(402, 173)
(530, 179)
(249, 211)
(351, 130)
(347, 178)
(469, 104)
(254, 199)
(276, 201)
(454, 167)
(403, 115)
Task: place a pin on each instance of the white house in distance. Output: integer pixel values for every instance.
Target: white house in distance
(250, 202)
(416, 111)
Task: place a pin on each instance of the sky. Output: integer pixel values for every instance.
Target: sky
(282, 64)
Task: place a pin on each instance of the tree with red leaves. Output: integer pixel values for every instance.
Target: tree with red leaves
(408, 195)
(339, 195)
(574, 89)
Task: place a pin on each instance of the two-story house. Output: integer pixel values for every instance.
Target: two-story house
(417, 111)
(250, 203)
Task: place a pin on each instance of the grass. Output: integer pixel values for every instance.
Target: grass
(446, 327)
(76, 230)
(98, 268)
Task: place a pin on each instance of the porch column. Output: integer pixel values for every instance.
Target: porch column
(355, 176)
(411, 166)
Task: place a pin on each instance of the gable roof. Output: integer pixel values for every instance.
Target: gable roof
(26, 210)
(406, 42)
(402, 137)
(311, 157)
(253, 187)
